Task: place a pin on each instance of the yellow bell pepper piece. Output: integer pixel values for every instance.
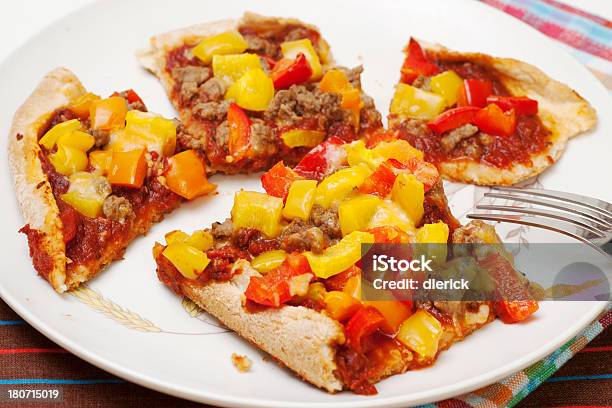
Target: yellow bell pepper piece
(433, 239)
(230, 68)
(446, 84)
(340, 184)
(416, 103)
(81, 104)
(300, 199)
(176, 236)
(433, 233)
(257, 210)
(229, 42)
(77, 139)
(189, 261)
(291, 49)
(302, 137)
(253, 91)
(340, 305)
(148, 130)
(353, 287)
(200, 239)
(317, 291)
(87, 193)
(267, 261)
(421, 333)
(355, 214)
(409, 193)
(50, 138)
(108, 114)
(101, 161)
(401, 150)
(339, 257)
(68, 160)
(391, 214)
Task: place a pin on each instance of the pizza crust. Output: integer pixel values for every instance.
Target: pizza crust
(300, 338)
(32, 187)
(561, 110)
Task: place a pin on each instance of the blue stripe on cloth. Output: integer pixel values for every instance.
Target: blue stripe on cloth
(580, 377)
(55, 381)
(11, 322)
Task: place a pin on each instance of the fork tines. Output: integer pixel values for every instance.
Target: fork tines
(584, 218)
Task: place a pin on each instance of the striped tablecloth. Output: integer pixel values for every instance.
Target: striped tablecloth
(29, 359)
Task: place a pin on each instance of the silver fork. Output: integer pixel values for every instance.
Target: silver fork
(584, 218)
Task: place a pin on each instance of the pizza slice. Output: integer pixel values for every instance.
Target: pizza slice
(482, 119)
(91, 174)
(253, 91)
(282, 271)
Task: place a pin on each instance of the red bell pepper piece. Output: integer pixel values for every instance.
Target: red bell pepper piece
(130, 95)
(278, 179)
(380, 182)
(515, 304)
(273, 289)
(453, 118)
(239, 141)
(291, 72)
(474, 93)
(522, 105)
(389, 234)
(494, 121)
(322, 160)
(363, 323)
(416, 63)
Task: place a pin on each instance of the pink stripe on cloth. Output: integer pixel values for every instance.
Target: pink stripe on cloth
(567, 8)
(570, 37)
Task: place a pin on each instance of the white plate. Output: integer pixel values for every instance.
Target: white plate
(127, 323)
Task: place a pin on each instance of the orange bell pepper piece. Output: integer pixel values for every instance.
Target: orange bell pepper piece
(128, 169)
(393, 311)
(81, 104)
(186, 175)
(109, 113)
(336, 81)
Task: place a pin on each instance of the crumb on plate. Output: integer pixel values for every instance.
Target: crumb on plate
(242, 363)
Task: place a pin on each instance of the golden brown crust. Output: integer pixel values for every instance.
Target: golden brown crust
(32, 187)
(300, 338)
(561, 110)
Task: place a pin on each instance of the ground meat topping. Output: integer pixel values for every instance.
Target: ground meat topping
(117, 209)
(212, 90)
(189, 141)
(136, 105)
(451, 138)
(353, 75)
(189, 79)
(222, 134)
(292, 105)
(417, 127)
(370, 117)
(422, 82)
(263, 139)
(327, 220)
(301, 236)
(101, 137)
(222, 230)
(260, 45)
(213, 111)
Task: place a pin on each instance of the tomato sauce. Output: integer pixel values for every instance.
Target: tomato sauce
(531, 137)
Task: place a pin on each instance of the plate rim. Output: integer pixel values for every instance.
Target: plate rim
(224, 399)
